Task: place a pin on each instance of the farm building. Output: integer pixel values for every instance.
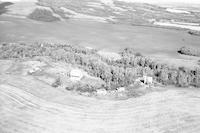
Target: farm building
(76, 74)
(121, 89)
(148, 80)
(101, 92)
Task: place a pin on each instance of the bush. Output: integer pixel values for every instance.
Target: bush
(192, 32)
(57, 83)
(189, 51)
(82, 87)
(128, 51)
(43, 15)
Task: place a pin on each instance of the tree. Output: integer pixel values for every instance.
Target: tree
(163, 76)
(172, 77)
(197, 76)
(128, 51)
(182, 77)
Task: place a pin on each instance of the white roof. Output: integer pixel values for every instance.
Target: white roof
(121, 89)
(101, 92)
(76, 73)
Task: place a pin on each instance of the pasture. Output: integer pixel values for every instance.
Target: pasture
(111, 37)
(158, 43)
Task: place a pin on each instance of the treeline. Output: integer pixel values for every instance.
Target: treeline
(43, 15)
(189, 51)
(122, 72)
(193, 32)
(163, 73)
(3, 6)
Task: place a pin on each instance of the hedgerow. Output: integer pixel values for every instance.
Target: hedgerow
(189, 51)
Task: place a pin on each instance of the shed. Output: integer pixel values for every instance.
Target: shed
(145, 80)
(101, 92)
(121, 89)
(148, 80)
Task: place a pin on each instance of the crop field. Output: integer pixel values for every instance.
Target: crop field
(159, 43)
(112, 37)
(28, 105)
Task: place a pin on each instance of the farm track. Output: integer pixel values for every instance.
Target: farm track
(22, 111)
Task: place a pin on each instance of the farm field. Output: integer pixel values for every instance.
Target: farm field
(98, 35)
(156, 42)
(45, 109)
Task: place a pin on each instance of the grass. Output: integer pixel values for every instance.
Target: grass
(149, 41)
(33, 105)
(137, 14)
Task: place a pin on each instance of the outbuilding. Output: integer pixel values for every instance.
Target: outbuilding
(121, 89)
(145, 80)
(148, 80)
(76, 75)
(101, 92)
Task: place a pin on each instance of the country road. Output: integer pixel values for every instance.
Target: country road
(26, 108)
